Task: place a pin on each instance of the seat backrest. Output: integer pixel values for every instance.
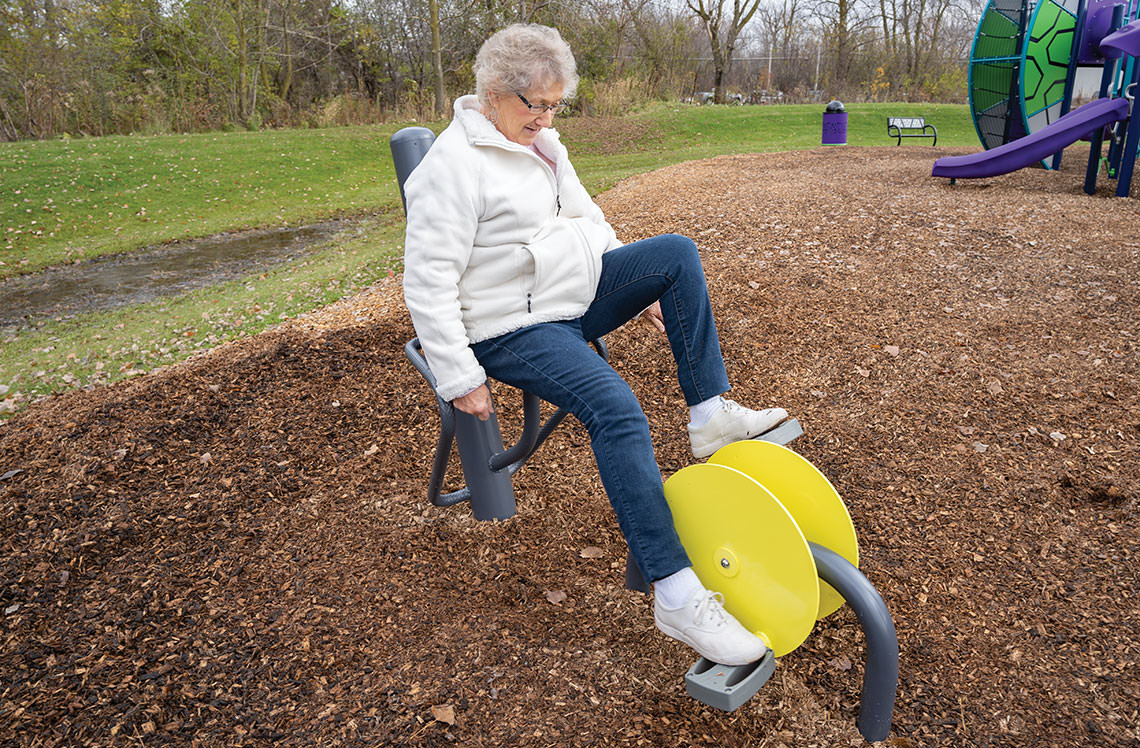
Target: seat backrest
(409, 146)
(916, 123)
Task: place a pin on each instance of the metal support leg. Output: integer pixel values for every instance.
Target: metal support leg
(487, 467)
(492, 496)
(634, 579)
(881, 674)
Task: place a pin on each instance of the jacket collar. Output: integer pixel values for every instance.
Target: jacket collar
(480, 131)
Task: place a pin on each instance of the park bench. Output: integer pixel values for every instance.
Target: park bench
(910, 127)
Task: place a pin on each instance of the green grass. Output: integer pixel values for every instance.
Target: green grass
(75, 199)
(71, 199)
(103, 347)
(678, 133)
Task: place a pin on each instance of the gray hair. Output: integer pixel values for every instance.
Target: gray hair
(522, 57)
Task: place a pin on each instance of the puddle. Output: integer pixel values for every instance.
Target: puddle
(119, 280)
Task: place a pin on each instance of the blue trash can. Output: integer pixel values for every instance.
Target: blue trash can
(834, 124)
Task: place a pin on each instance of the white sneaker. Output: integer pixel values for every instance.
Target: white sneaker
(732, 423)
(707, 627)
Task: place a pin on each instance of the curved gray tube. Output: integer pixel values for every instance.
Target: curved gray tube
(881, 674)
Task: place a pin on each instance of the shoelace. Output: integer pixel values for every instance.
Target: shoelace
(711, 609)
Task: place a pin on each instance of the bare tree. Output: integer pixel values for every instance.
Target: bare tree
(723, 32)
(912, 33)
(845, 23)
(782, 23)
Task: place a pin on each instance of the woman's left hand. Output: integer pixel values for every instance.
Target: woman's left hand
(654, 318)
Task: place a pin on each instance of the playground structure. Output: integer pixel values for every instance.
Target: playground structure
(761, 525)
(1023, 67)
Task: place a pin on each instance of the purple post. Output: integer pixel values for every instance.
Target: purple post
(1098, 24)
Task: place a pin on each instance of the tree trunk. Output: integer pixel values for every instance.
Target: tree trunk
(437, 58)
(287, 49)
(242, 61)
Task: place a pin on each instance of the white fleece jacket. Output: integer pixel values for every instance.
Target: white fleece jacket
(496, 241)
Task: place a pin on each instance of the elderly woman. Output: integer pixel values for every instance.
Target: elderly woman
(510, 269)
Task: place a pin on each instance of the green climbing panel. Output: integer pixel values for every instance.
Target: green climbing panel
(1048, 50)
(995, 67)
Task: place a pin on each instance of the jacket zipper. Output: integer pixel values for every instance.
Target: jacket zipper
(553, 178)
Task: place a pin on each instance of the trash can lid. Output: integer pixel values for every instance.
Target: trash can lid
(835, 106)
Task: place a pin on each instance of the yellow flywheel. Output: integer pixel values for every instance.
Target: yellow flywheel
(745, 545)
(807, 495)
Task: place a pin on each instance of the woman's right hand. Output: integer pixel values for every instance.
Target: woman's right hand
(477, 402)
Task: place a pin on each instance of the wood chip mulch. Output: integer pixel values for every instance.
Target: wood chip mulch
(238, 550)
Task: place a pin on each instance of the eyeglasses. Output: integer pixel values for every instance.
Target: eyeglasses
(542, 108)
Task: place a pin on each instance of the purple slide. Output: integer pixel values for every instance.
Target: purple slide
(1125, 41)
(1034, 147)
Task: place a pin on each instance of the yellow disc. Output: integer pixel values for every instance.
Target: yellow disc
(807, 495)
(745, 545)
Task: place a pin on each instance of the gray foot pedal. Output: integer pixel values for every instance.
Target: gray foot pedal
(726, 687)
(786, 432)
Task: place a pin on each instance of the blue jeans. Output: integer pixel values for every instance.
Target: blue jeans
(554, 361)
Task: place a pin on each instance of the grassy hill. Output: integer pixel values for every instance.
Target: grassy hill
(76, 199)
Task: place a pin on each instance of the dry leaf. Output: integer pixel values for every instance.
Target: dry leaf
(995, 388)
(591, 551)
(862, 372)
(891, 350)
(555, 596)
(444, 713)
(900, 742)
(206, 459)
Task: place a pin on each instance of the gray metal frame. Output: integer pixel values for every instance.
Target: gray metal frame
(881, 671)
(487, 467)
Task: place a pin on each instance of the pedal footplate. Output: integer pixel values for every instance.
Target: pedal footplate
(726, 687)
(783, 434)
